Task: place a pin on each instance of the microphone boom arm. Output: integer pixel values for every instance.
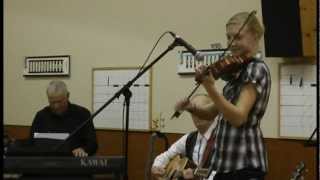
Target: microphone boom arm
(116, 95)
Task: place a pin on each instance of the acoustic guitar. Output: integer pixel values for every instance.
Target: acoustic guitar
(174, 169)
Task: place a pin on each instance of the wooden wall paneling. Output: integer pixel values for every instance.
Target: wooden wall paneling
(17, 132)
(308, 26)
(284, 156)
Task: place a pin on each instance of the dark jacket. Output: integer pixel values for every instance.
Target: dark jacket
(47, 122)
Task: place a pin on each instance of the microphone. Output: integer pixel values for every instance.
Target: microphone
(198, 56)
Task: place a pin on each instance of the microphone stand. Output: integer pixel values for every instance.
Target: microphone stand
(311, 142)
(127, 94)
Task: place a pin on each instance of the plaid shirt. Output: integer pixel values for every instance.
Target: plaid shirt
(243, 147)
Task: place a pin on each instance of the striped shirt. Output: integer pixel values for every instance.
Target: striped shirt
(243, 147)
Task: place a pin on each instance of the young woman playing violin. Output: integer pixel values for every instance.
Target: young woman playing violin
(239, 150)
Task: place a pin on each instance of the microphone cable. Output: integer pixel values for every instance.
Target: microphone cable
(150, 53)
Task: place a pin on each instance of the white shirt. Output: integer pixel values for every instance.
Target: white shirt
(179, 147)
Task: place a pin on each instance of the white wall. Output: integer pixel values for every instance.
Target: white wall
(114, 33)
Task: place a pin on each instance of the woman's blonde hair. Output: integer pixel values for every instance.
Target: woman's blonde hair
(253, 24)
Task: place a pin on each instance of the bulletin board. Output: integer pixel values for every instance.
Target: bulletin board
(298, 99)
(106, 82)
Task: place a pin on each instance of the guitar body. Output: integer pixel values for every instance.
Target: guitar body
(176, 166)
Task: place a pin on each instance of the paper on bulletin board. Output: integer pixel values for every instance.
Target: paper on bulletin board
(297, 100)
(106, 82)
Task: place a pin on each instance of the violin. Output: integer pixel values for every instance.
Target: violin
(227, 65)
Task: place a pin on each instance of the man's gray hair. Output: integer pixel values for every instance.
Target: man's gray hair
(57, 87)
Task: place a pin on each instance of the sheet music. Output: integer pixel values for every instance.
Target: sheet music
(106, 84)
(297, 100)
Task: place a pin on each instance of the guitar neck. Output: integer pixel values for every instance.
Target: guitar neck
(297, 174)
